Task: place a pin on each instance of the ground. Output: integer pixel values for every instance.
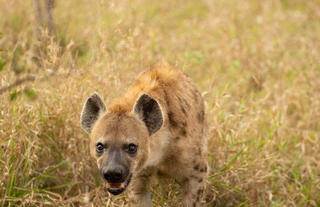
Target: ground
(257, 64)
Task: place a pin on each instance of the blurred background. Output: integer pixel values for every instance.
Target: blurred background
(257, 64)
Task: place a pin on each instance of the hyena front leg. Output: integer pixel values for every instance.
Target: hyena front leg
(193, 188)
(139, 193)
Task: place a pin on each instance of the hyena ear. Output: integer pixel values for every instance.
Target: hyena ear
(149, 111)
(93, 107)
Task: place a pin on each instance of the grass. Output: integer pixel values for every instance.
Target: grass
(257, 64)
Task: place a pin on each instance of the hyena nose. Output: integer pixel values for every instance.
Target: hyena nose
(114, 175)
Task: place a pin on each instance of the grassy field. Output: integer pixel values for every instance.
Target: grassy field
(257, 64)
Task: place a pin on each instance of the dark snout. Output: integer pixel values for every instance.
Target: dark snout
(117, 179)
(115, 174)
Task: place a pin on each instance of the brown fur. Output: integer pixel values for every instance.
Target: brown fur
(178, 149)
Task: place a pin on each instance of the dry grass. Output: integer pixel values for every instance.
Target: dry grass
(256, 62)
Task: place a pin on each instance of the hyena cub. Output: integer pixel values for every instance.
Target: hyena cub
(157, 127)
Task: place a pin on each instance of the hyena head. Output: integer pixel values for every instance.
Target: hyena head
(119, 141)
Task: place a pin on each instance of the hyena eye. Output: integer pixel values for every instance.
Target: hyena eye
(132, 148)
(99, 147)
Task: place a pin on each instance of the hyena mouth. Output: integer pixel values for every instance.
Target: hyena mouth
(118, 188)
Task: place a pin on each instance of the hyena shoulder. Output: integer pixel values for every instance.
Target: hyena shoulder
(180, 100)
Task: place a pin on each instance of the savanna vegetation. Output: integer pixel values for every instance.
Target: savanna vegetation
(257, 64)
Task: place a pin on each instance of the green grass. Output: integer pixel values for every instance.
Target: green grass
(256, 63)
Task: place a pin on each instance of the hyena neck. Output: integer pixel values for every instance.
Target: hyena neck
(158, 145)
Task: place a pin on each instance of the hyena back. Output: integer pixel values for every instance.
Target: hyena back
(157, 126)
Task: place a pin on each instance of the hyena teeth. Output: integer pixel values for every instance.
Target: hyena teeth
(115, 185)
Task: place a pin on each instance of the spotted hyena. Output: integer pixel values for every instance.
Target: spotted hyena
(157, 127)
